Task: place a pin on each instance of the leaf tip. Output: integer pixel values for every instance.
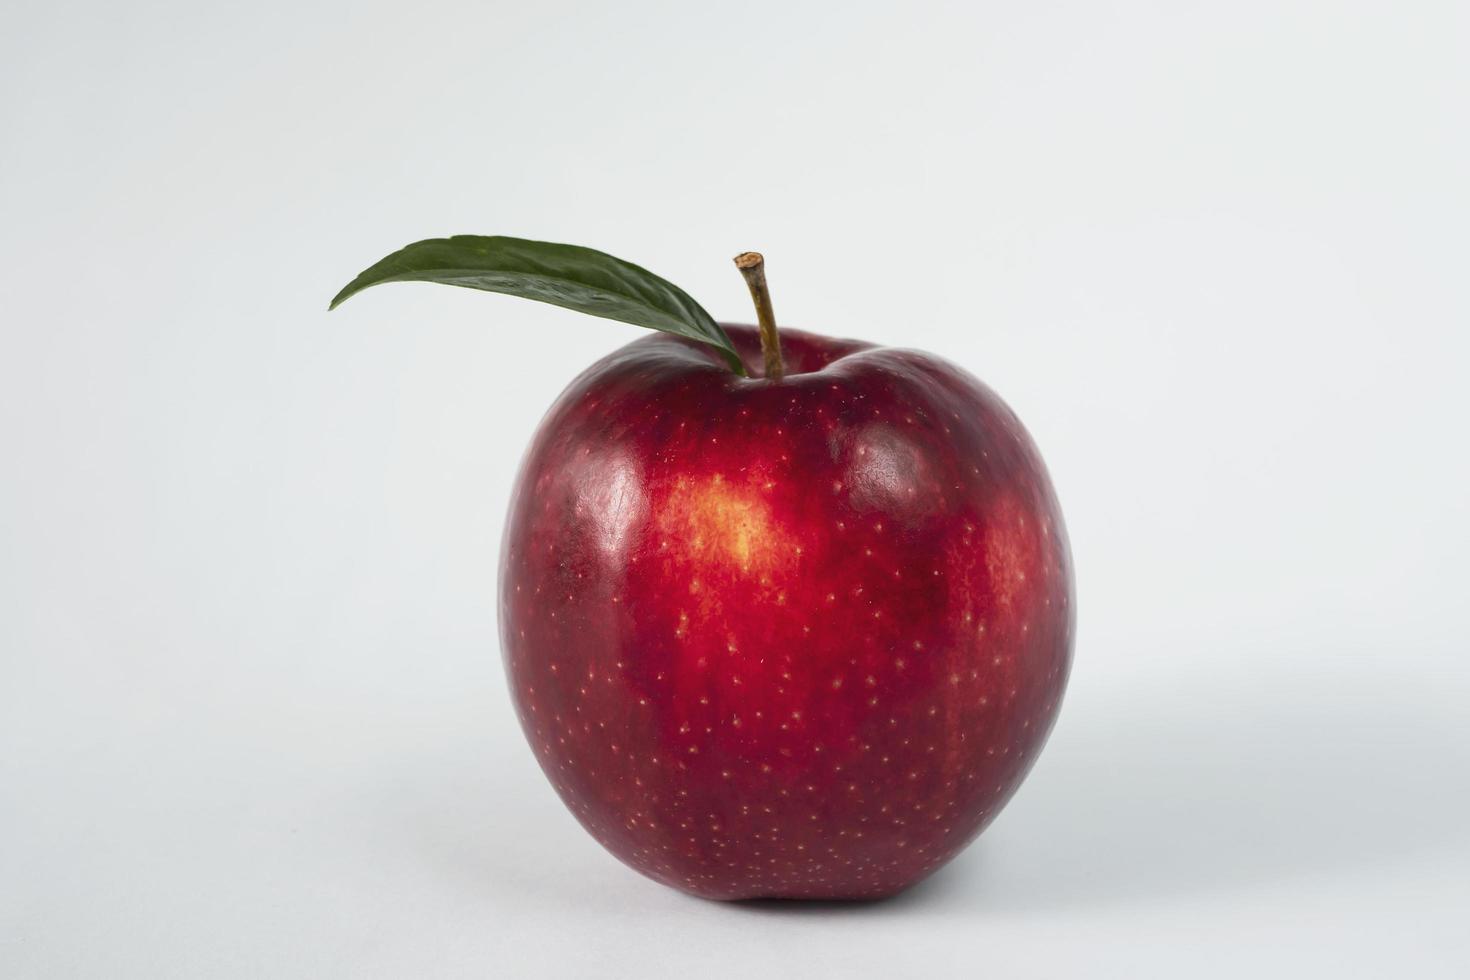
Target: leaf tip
(340, 298)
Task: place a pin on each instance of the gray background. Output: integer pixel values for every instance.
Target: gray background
(252, 717)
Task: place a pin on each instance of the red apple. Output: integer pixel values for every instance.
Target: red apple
(775, 626)
(798, 639)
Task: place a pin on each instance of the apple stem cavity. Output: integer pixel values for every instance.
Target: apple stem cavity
(752, 266)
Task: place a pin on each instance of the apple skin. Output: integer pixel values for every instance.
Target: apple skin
(796, 639)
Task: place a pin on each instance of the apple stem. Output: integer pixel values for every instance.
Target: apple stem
(752, 266)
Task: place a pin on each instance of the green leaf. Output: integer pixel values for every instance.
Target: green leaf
(577, 278)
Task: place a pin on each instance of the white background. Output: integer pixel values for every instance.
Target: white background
(252, 716)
